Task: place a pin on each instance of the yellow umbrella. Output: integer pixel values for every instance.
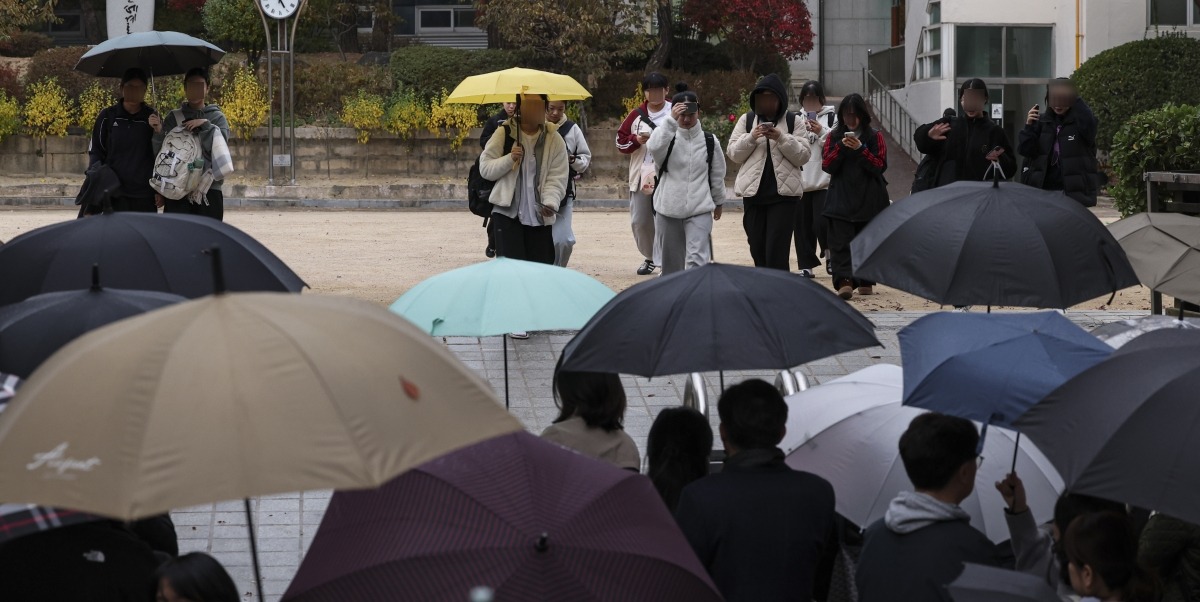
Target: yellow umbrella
(504, 86)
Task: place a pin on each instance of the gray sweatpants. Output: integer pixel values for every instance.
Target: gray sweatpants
(685, 243)
(641, 216)
(564, 236)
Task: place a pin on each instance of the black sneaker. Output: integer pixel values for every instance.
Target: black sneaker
(807, 273)
(490, 252)
(828, 267)
(646, 268)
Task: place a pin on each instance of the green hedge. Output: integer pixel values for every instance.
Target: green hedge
(426, 70)
(1124, 81)
(719, 91)
(1165, 139)
(320, 87)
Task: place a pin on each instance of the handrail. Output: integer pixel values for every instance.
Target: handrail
(892, 116)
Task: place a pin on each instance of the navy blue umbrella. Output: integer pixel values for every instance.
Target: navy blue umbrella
(992, 367)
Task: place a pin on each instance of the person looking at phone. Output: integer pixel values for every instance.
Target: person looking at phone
(967, 146)
(820, 119)
(855, 158)
(579, 156)
(531, 181)
(769, 144)
(1059, 145)
(691, 185)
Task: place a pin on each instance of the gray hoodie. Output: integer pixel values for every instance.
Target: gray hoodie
(216, 119)
(911, 511)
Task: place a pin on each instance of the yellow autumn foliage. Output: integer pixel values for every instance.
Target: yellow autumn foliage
(48, 111)
(453, 121)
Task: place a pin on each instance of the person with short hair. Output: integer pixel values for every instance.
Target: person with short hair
(1102, 563)
(122, 139)
(969, 146)
(531, 181)
(760, 527)
(194, 577)
(677, 451)
(632, 137)
(207, 121)
(691, 185)
(591, 415)
(579, 157)
(922, 542)
(489, 127)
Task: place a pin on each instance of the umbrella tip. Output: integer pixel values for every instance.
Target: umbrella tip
(96, 277)
(542, 544)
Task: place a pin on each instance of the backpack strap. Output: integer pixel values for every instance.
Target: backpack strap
(646, 117)
(749, 121)
(178, 113)
(710, 143)
(508, 140)
(566, 129)
(791, 121)
(829, 119)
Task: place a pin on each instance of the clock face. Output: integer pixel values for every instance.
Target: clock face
(279, 9)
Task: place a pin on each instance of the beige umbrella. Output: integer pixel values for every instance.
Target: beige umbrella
(233, 396)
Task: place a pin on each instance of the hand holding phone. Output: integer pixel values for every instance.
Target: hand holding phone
(1034, 114)
(995, 154)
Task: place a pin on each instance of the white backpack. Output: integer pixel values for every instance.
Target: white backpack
(180, 166)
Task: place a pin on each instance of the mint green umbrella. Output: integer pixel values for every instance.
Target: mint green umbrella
(501, 296)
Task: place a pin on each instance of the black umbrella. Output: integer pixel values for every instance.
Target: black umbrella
(32, 330)
(1128, 429)
(717, 317)
(138, 251)
(980, 243)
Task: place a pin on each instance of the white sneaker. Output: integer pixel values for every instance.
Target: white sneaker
(520, 335)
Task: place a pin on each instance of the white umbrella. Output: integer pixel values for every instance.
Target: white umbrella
(848, 431)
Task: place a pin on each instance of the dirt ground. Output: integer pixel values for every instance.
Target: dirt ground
(378, 255)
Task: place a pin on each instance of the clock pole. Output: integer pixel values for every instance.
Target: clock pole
(281, 45)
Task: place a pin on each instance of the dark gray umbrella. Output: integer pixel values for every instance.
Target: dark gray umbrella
(32, 330)
(979, 583)
(158, 52)
(1117, 334)
(717, 317)
(980, 243)
(1164, 249)
(1128, 428)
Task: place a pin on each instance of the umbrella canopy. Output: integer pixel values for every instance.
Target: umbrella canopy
(523, 517)
(847, 431)
(501, 296)
(234, 396)
(718, 317)
(504, 86)
(138, 251)
(1116, 334)
(979, 583)
(979, 243)
(158, 52)
(1164, 249)
(1128, 429)
(992, 367)
(32, 330)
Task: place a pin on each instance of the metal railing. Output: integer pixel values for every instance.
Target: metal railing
(892, 116)
(888, 66)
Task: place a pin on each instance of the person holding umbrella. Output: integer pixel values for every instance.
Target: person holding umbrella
(855, 158)
(122, 139)
(208, 121)
(531, 181)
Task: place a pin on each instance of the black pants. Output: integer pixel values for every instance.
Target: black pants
(841, 232)
(811, 229)
(491, 233)
(769, 232)
(214, 209)
(517, 241)
(141, 205)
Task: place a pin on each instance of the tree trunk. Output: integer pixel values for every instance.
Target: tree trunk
(666, 31)
(347, 26)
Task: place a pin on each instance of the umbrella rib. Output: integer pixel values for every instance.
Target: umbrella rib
(670, 322)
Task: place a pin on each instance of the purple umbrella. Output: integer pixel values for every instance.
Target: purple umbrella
(515, 514)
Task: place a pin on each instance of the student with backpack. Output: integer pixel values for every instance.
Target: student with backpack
(768, 142)
(579, 157)
(811, 230)
(690, 185)
(122, 139)
(632, 136)
(208, 122)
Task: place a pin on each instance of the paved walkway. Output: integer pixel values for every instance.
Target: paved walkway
(286, 523)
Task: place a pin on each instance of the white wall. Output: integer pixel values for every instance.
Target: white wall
(926, 100)
(1112, 23)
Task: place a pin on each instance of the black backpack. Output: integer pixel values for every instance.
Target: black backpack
(563, 131)
(791, 122)
(479, 188)
(925, 178)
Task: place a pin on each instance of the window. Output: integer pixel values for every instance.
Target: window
(929, 45)
(1172, 13)
(445, 19)
(1003, 52)
(935, 13)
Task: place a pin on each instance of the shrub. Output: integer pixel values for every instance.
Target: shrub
(166, 94)
(10, 116)
(244, 102)
(1164, 139)
(698, 56)
(720, 124)
(454, 121)
(363, 112)
(10, 81)
(427, 70)
(48, 109)
(59, 63)
(406, 113)
(719, 91)
(96, 98)
(1135, 77)
(25, 44)
(321, 86)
